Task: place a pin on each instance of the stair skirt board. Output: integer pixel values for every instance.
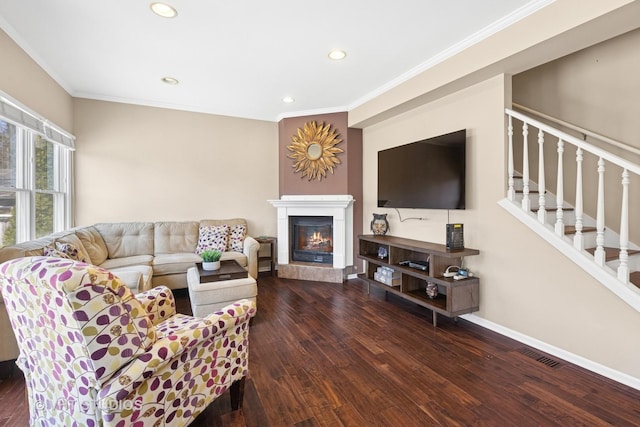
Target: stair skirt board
(629, 293)
(612, 239)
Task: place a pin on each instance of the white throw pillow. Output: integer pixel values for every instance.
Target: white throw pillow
(236, 237)
(213, 237)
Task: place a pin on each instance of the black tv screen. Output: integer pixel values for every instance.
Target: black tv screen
(428, 174)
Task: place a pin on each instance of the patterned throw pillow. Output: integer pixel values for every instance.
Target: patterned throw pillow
(236, 237)
(212, 237)
(50, 250)
(70, 250)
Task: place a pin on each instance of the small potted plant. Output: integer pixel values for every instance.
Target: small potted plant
(211, 259)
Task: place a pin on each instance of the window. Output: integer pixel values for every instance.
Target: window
(35, 176)
(8, 184)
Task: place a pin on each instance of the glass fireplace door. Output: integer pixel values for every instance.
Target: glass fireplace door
(311, 239)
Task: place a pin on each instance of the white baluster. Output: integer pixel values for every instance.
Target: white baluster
(599, 255)
(578, 238)
(542, 212)
(560, 191)
(526, 203)
(511, 192)
(623, 268)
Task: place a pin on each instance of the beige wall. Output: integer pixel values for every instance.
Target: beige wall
(136, 163)
(23, 80)
(598, 89)
(525, 284)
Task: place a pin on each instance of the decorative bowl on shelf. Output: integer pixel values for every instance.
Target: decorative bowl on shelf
(382, 252)
(432, 290)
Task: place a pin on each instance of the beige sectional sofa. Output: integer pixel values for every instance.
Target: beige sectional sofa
(142, 254)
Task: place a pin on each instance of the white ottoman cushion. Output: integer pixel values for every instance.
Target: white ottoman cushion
(209, 297)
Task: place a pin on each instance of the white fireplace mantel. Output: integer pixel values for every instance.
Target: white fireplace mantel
(340, 207)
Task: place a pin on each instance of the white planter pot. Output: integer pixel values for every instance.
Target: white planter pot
(215, 265)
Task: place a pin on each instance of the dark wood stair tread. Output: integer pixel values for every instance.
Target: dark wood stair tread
(551, 209)
(612, 253)
(570, 229)
(530, 191)
(634, 278)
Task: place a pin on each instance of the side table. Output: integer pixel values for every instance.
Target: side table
(271, 241)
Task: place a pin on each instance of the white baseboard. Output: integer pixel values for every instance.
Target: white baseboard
(590, 365)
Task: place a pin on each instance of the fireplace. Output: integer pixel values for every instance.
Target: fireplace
(311, 239)
(325, 264)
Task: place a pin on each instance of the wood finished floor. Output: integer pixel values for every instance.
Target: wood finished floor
(330, 355)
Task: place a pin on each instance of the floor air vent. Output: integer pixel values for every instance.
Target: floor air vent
(552, 363)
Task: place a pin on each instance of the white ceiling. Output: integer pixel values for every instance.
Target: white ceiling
(241, 57)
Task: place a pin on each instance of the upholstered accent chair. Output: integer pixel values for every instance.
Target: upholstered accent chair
(94, 354)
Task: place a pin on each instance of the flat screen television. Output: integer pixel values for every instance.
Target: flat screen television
(427, 174)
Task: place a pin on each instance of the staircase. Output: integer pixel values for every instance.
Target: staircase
(599, 245)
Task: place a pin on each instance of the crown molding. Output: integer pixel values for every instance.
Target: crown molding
(466, 43)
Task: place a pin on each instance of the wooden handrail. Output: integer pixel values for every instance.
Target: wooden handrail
(577, 128)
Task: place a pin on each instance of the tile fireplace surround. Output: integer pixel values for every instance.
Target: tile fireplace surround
(340, 208)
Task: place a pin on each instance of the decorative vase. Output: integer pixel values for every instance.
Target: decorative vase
(379, 224)
(213, 265)
(432, 290)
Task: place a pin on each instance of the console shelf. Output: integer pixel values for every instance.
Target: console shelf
(454, 297)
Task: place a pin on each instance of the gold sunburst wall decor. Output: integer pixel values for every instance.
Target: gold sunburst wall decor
(314, 150)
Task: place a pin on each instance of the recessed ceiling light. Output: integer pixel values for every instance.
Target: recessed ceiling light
(337, 54)
(164, 10)
(288, 99)
(169, 80)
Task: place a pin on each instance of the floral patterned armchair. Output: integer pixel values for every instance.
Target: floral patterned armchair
(94, 354)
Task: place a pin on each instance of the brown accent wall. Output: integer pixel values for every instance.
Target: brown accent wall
(347, 175)
(354, 162)
(292, 183)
